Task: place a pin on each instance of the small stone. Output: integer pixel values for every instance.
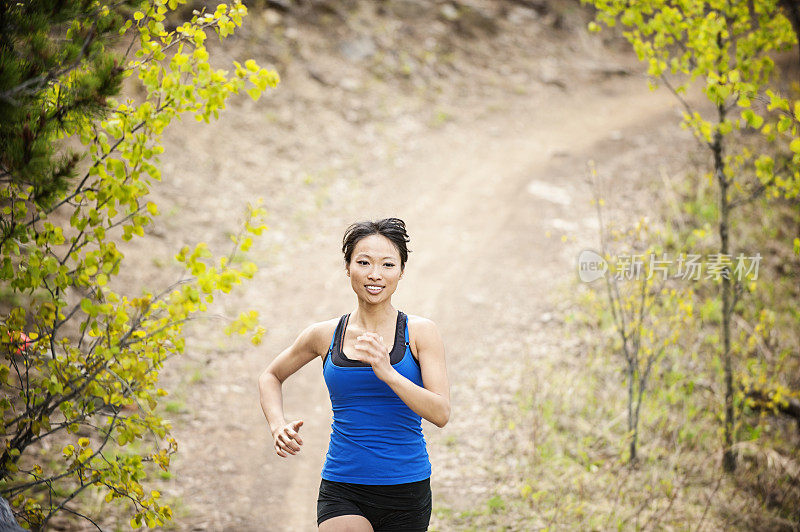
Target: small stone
(449, 12)
(349, 84)
(272, 17)
(358, 49)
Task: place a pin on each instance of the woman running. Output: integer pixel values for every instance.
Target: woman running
(384, 370)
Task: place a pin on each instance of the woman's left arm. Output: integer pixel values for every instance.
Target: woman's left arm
(431, 401)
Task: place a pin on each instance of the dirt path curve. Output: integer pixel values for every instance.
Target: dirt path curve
(478, 199)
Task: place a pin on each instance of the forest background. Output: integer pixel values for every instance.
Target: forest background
(512, 137)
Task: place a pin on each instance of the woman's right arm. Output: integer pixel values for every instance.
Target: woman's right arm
(304, 349)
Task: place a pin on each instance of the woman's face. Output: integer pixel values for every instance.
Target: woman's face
(374, 268)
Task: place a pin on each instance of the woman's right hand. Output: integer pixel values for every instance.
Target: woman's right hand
(287, 439)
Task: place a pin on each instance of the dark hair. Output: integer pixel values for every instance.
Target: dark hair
(392, 228)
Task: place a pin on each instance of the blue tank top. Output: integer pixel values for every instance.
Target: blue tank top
(375, 437)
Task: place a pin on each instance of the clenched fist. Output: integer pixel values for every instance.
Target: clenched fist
(287, 439)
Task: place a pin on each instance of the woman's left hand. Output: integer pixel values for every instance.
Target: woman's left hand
(370, 349)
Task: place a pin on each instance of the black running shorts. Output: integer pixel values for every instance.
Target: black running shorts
(405, 507)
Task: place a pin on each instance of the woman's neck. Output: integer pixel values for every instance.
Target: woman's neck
(370, 317)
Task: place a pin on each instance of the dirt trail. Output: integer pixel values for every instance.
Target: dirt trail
(479, 194)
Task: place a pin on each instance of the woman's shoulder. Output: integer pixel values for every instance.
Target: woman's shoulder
(420, 322)
(419, 326)
(422, 333)
(320, 334)
(323, 326)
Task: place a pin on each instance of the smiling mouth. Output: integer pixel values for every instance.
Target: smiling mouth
(373, 289)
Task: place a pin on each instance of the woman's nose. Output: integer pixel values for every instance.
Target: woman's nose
(375, 273)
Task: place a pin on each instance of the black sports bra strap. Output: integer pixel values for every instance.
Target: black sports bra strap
(336, 337)
(343, 324)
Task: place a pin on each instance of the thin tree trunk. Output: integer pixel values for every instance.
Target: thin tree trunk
(729, 459)
(641, 382)
(792, 11)
(631, 427)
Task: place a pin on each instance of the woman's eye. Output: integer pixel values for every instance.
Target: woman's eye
(389, 265)
(363, 262)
